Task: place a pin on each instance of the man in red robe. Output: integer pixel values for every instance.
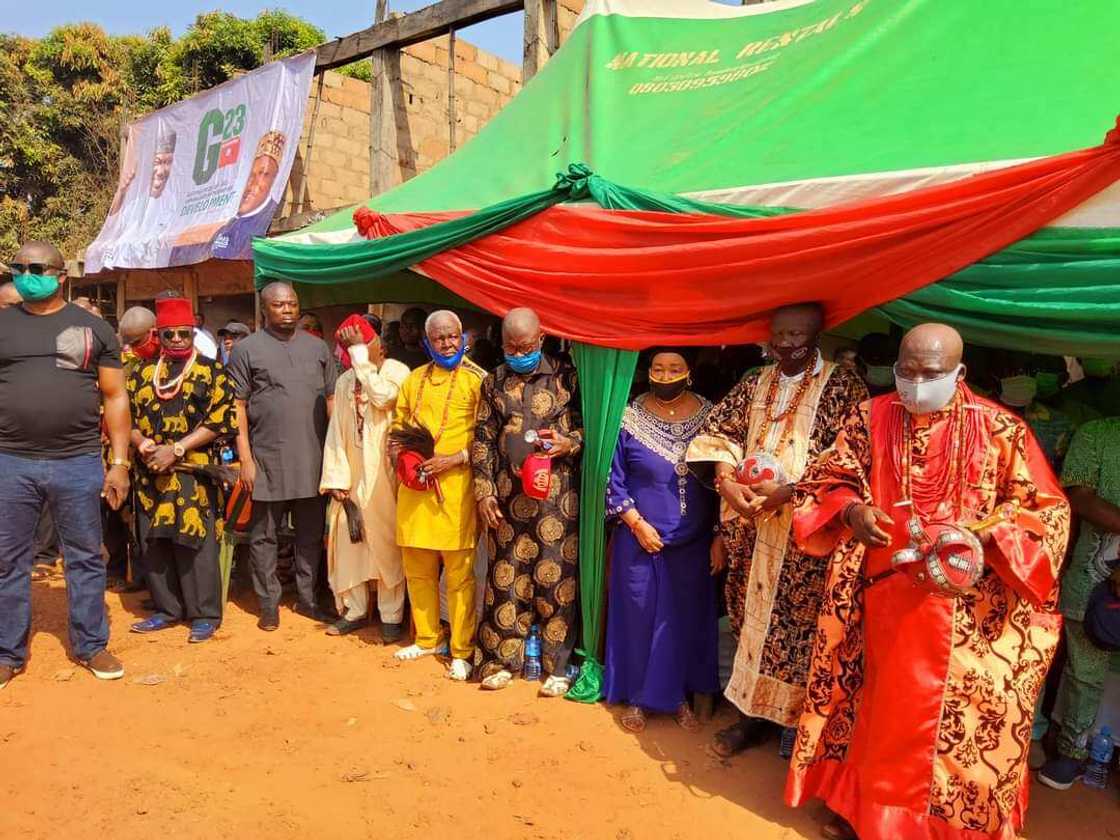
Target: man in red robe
(921, 695)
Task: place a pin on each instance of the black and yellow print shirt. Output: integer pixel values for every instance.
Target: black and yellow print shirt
(180, 508)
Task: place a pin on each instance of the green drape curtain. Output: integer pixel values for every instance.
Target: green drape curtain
(605, 375)
(1056, 291)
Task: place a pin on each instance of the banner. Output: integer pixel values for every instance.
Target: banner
(201, 178)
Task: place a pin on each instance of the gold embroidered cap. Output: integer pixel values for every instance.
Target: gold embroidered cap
(272, 145)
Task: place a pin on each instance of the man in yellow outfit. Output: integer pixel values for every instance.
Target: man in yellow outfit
(443, 397)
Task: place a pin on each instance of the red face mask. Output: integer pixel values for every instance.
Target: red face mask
(147, 348)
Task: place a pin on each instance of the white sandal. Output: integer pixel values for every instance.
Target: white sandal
(417, 652)
(555, 686)
(498, 681)
(460, 670)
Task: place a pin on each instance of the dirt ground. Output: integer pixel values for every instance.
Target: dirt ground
(297, 735)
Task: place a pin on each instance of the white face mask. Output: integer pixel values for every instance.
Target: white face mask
(927, 397)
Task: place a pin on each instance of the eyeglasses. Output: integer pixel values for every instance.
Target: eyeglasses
(172, 335)
(33, 268)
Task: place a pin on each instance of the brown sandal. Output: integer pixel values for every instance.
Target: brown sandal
(633, 720)
(686, 718)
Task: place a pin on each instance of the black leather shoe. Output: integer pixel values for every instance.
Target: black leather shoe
(344, 626)
(269, 620)
(391, 633)
(314, 613)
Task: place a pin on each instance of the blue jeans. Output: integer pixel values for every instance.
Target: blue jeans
(71, 489)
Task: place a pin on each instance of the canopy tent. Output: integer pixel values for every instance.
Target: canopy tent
(919, 156)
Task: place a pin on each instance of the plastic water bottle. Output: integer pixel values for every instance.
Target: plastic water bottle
(1100, 757)
(786, 745)
(532, 668)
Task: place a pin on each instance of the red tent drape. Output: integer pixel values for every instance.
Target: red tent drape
(630, 279)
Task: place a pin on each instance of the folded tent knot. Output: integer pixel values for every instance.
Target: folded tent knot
(574, 182)
(366, 221)
(1114, 135)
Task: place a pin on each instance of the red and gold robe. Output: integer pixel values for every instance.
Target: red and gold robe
(919, 706)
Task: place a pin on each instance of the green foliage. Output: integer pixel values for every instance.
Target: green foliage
(362, 70)
(64, 99)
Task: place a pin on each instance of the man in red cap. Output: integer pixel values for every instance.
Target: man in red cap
(359, 477)
(181, 403)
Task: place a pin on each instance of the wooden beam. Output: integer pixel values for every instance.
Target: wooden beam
(377, 104)
(303, 204)
(122, 304)
(451, 91)
(542, 36)
(421, 25)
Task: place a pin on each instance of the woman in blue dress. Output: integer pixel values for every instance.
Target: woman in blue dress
(662, 631)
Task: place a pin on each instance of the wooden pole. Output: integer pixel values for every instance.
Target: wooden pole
(451, 91)
(304, 203)
(401, 31)
(541, 37)
(377, 116)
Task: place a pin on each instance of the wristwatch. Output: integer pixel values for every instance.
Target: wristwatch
(178, 450)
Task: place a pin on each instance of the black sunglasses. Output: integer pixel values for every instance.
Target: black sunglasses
(171, 335)
(33, 268)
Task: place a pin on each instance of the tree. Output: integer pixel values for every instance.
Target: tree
(65, 98)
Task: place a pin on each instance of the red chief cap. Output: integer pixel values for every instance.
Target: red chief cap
(174, 312)
(408, 470)
(363, 326)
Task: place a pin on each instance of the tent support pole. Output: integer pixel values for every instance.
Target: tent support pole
(377, 101)
(451, 91)
(541, 38)
(305, 192)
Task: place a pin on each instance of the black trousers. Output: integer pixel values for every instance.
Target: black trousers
(308, 521)
(186, 583)
(46, 538)
(117, 540)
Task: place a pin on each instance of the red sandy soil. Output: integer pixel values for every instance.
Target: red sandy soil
(297, 735)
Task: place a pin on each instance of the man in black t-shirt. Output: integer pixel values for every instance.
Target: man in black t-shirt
(59, 366)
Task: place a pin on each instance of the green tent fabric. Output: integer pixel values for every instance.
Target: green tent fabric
(605, 376)
(1057, 291)
(760, 107)
(786, 104)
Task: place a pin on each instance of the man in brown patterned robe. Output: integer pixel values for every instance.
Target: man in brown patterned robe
(533, 543)
(791, 411)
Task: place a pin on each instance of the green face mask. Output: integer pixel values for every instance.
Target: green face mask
(36, 287)
(1097, 368)
(1049, 384)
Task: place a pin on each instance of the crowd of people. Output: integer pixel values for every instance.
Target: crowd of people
(884, 530)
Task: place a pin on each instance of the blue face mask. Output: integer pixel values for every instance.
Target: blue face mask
(36, 287)
(524, 364)
(445, 362)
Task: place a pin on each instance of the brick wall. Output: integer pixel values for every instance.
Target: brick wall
(339, 171)
(566, 13)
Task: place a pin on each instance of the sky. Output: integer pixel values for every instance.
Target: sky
(335, 17)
